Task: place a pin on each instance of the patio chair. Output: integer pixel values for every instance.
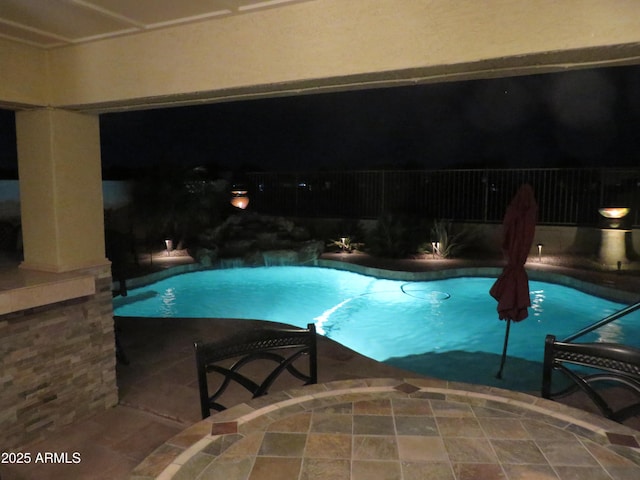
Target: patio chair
(599, 366)
(280, 346)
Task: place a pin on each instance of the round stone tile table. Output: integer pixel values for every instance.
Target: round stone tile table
(398, 429)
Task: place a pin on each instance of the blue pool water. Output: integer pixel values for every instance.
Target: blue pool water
(380, 318)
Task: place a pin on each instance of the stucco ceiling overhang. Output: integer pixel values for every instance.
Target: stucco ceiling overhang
(56, 23)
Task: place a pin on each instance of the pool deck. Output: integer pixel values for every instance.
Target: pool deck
(398, 429)
(158, 390)
(622, 285)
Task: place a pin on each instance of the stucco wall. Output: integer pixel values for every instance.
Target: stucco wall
(24, 75)
(556, 240)
(350, 42)
(332, 44)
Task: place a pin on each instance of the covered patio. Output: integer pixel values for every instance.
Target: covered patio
(61, 69)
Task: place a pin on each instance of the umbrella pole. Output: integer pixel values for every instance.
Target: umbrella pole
(504, 350)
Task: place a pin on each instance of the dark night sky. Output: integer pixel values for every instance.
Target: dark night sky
(8, 155)
(579, 118)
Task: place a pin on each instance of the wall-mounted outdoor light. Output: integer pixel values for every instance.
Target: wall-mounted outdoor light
(239, 197)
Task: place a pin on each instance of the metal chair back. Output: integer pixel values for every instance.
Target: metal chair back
(281, 347)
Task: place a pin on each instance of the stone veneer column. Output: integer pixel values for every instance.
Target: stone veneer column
(57, 364)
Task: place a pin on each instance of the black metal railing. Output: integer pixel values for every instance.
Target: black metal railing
(605, 321)
(565, 196)
(594, 368)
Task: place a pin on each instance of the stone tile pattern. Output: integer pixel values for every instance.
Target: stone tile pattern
(386, 429)
(57, 365)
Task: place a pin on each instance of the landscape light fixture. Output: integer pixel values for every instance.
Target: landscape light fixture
(239, 198)
(613, 216)
(169, 246)
(539, 252)
(614, 212)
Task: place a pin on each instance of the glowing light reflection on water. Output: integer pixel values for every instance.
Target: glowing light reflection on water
(377, 317)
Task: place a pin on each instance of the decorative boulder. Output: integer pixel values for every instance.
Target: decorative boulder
(274, 258)
(310, 251)
(205, 256)
(300, 234)
(257, 240)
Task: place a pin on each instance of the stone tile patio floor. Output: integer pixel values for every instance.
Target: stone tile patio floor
(158, 390)
(398, 429)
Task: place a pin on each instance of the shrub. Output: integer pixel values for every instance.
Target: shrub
(450, 243)
(395, 236)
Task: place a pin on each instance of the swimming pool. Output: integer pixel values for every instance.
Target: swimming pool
(380, 318)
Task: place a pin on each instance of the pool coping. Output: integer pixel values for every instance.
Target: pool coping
(605, 290)
(533, 271)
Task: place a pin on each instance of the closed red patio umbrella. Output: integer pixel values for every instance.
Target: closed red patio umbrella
(511, 289)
